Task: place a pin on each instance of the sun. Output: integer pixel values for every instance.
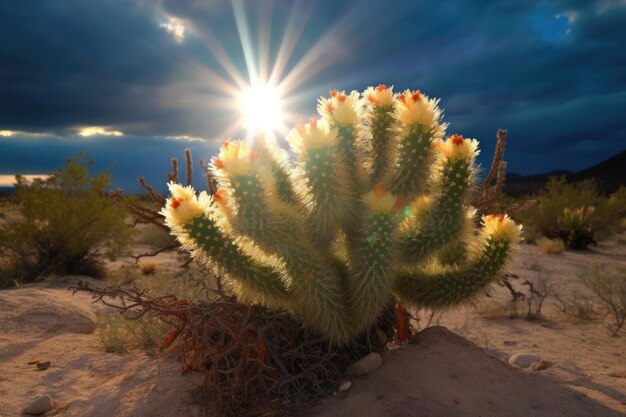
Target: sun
(260, 106)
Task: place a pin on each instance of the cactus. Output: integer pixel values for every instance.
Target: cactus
(373, 205)
(575, 227)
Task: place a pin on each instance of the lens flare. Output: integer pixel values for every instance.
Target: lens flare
(260, 106)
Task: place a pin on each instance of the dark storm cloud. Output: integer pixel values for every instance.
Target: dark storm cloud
(557, 83)
(81, 63)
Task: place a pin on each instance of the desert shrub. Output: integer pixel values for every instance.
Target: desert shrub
(147, 268)
(576, 305)
(575, 227)
(112, 332)
(154, 236)
(551, 246)
(119, 335)
(563, 200)
(67, 224)
(530, 296)
(609, 286)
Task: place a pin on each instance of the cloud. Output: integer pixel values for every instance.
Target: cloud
(98, 131)
(551, 71)
(175, 28)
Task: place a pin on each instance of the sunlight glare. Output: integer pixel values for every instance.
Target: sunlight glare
(261, 108)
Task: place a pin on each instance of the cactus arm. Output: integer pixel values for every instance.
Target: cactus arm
(451, 286)
(192, 222)
(256, 280)
(412, 161)
(380, 118)
(418, 125)
(444, 219)
(371, 276)
(277, 162)
(323, 181)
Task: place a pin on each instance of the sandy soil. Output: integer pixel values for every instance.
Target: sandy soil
(444, 376)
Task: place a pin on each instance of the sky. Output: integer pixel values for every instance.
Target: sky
(134, 82)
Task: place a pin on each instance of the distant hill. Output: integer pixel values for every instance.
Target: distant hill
(610, 175)
(6, 190)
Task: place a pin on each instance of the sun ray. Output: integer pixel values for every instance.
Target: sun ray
(296, 23)
(244, 37)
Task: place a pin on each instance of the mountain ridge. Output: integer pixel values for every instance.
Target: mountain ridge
(610, 174)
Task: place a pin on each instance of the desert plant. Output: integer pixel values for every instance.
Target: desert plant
(609, 286)
(551, 246)
(559, 195)
(360, 214)
(118, 334)
(147, 268)
(576, 305)
(575, 227)
(67, 224)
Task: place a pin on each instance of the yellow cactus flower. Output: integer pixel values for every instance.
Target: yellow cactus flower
(500, 226)
(340, 108)
(456, 147)
(315, 134)
(183, 205)
(235, 157)
(413, 107)
(381, 96)
(382, 201)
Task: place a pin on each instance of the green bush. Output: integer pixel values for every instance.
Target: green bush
(559, 196)
(66, 225)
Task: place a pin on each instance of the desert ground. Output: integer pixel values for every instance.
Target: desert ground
(460, 372)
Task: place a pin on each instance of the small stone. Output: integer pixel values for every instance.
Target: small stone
(366, 365)
(42, 366)
(617, 373)
(523, 360)
(344, 386)
(541, 365)
(509, 343)
(39, 406)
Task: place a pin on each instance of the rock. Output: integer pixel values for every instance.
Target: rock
(523, 360)
(39, 406)
(541, 365)
(366, 365)
(344, 386)
(509, 343)
(42, 366)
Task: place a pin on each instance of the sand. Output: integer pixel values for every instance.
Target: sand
(443, 375)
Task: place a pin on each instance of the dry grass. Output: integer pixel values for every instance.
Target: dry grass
(119, 335)
(147, 267)
(551, 246)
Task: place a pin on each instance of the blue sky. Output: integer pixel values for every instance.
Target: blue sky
(156, 76)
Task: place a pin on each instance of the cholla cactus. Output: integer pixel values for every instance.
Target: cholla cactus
(372, 202)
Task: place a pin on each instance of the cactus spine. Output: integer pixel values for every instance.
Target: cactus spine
(374, 205)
